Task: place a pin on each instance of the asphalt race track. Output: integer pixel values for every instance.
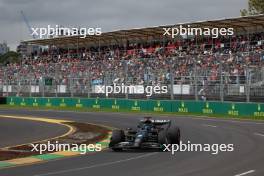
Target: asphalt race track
(247, 159)
(16, 131)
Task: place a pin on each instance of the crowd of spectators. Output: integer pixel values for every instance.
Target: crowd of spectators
(155, 63)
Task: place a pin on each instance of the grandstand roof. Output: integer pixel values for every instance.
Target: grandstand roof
(239, 24)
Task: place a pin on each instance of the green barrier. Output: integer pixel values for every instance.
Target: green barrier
(234, 109)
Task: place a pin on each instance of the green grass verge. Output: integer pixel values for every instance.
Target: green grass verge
(74, 109)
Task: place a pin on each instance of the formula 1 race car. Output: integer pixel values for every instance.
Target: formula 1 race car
(150, 134)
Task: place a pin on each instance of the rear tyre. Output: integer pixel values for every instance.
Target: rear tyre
(117, 137)
(163, 137)
(174, 134)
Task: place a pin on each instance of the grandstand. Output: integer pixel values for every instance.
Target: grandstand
(193, 67)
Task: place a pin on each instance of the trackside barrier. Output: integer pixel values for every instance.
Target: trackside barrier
(235, 109)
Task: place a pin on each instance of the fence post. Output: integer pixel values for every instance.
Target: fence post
(7, 88)
(126, 76)
(248, 82)
(89, 84)
(221, 80)
(18, 85)
(30, 94)
(56, 76)
(171, 81)
(43, 86)
(195, 80)
(55, 87)
(71, 86)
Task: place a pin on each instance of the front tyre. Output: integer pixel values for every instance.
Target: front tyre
(117, 137)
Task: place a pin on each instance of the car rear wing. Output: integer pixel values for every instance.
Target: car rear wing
(158, 122)
(161, 122)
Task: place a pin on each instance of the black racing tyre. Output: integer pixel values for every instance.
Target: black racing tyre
(117, 137)
(163, 137)
(174, 135)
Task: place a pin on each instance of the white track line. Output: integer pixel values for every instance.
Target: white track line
(259, 134)
(213, 126)
(245, 173)
(97, 165)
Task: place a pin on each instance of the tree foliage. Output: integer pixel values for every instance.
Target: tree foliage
(10, 57)
(255, 7)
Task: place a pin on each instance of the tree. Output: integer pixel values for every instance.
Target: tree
(255, 7)
(10, 57)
